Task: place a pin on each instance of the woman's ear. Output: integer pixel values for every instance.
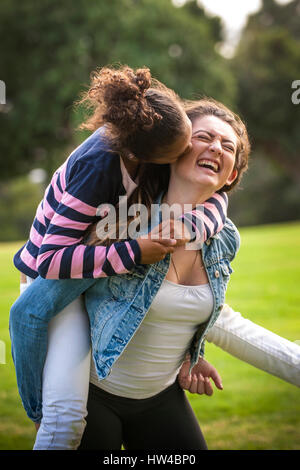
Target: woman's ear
(232, 177)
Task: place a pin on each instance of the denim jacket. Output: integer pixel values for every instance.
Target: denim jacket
(118, 304)
(116, 307)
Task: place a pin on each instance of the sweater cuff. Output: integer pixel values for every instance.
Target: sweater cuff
(194, 225)
(136, 251)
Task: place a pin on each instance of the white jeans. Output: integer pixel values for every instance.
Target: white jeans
(65, 379)
(67, 367)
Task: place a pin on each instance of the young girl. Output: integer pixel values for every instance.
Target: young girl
(140, 123)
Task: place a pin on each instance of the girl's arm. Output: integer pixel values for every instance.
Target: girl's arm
(256, 345)
(208, 218)
(62, 255)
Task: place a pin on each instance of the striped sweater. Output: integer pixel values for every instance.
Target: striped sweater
(92, 175)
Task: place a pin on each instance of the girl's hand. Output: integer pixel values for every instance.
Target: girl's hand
(198, 381)
(162, 240)
(154, 251)
(171, 229)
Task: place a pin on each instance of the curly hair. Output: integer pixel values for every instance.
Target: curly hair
(142, 117)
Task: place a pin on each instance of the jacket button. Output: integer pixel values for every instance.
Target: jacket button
(217, 274)
(208, 242)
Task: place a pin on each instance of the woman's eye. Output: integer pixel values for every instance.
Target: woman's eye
(202, 137)
(230, 149)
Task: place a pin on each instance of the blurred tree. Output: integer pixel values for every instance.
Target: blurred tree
(266, 195)
(16, 211)
(266, 63)
(50, 47)
(276, 14)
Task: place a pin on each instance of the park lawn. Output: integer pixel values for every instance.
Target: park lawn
(255, 410)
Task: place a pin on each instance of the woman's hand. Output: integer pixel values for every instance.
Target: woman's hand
(198, 381)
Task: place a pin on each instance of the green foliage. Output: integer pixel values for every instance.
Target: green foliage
(51, 47)
(265, 195)
(19, 200)
(266, 64)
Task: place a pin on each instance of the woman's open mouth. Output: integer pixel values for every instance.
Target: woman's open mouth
(209, 164)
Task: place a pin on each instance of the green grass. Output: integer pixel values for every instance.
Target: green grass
(255, 410)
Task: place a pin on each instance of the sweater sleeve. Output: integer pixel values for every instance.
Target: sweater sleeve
(256, 345)
(207, 219)
(62, 254)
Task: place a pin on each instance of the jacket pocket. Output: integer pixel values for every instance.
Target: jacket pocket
(226, 271)
(226, 267)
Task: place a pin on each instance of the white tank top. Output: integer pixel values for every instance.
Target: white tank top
(153, 357)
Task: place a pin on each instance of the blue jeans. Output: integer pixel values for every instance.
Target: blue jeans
(28, 327)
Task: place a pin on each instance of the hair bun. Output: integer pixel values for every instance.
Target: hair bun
(143, 79)
(121, 97)
(121, 94)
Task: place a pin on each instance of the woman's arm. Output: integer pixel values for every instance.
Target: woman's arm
(256, 345)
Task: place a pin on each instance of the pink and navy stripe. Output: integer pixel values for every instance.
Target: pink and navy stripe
(89, 177)
(208, 218)
(92, 176)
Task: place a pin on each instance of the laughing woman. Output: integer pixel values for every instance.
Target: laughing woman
(165, 311)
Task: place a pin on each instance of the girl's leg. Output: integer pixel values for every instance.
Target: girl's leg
(65, 380)
(104, 427)
(28, 327)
